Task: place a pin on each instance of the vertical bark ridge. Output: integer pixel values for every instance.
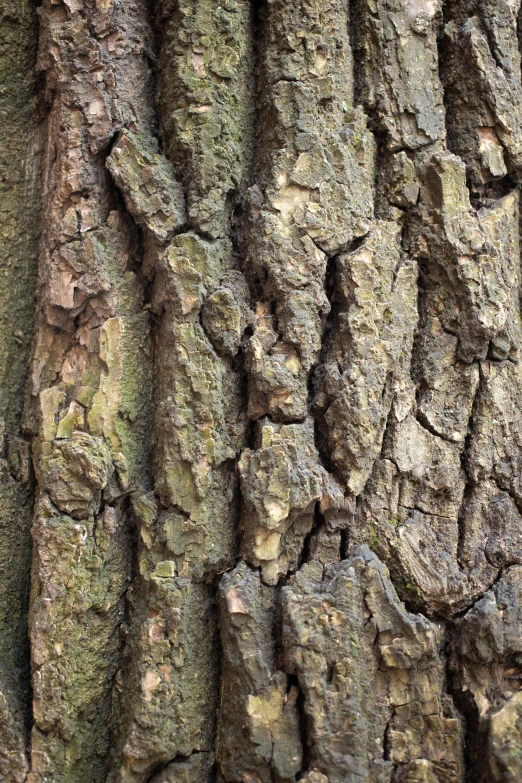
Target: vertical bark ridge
(483, 128)
(419, 180)
(311, 197)
(20, 158)
(485, 133)
(282, 477)
(90, 383)
(200, 300)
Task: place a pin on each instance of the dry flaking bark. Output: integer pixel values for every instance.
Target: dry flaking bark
(372, 677)
(482, 47)
(311, 197)
(273, 404)
(183, 199)
(91, 380)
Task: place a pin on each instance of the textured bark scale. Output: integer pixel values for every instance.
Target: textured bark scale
(261, 391)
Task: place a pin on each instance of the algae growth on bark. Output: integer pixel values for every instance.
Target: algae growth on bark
(261, 391)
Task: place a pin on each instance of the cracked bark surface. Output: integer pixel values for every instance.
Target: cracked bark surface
(260, 391)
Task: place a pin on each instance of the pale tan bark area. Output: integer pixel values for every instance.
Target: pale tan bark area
(261, 285)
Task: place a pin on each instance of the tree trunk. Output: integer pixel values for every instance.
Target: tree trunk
(261, 391)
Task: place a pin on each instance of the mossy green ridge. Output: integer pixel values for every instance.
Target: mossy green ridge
(174, 695)
(19, 225)
(91, 386)
(205, 101)
(199, 301)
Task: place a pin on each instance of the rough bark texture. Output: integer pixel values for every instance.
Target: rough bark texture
(21, 144)
(261, 391)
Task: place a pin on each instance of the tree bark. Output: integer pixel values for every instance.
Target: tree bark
(261, 409)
